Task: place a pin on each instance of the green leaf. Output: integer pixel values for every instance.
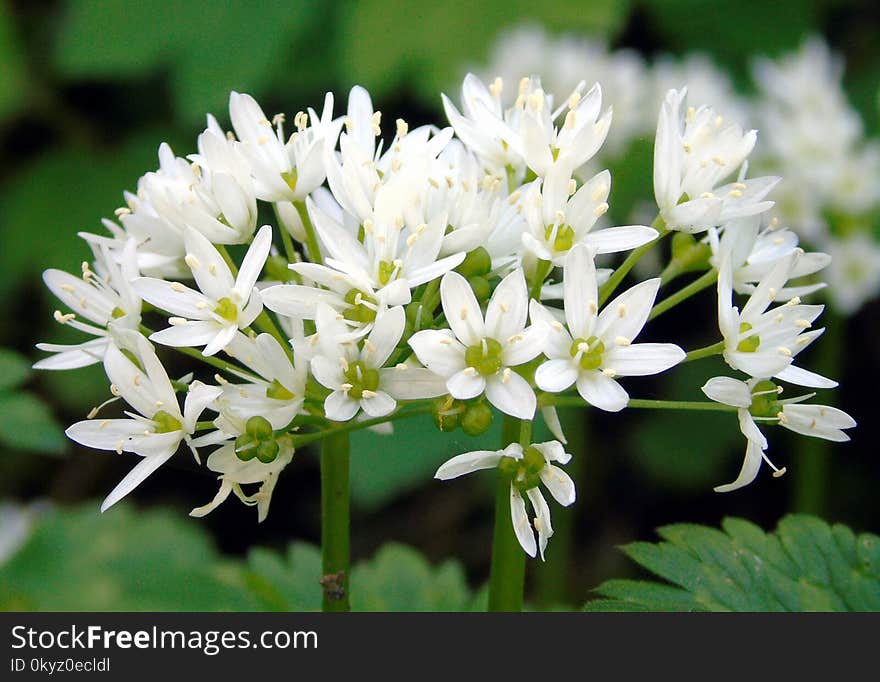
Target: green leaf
(804, 565)
(399, 579)
(26, 423)
(288, 583)
(78, 559)
(14, 369)
(241, 46)
(388, 43)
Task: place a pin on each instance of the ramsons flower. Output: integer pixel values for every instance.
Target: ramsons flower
(224, 304)
(757, 401)
(157, 428)
(594, 348)
(476, 355)
(526, 468)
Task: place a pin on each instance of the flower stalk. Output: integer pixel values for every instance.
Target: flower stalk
(335, 522)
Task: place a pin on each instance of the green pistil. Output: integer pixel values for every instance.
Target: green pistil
(387, 269)
(258, 441)
(564, 239)
(165, 423)
(227, 309)
(290, 177)
(277, 392)
(361, 378)
(750, 344)
(484, 357)
(363, 307)
(117, 312)
(524, 473)
(764, 400)
(591, 358)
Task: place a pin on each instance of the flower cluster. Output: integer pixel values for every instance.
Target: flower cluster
(446, 270)
(811, 135)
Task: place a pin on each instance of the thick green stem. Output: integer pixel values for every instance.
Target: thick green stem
(335, 525)
(635, 255)
(508, 569)
(311, 236)
(705, 280)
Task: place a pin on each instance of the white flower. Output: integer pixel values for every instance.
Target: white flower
(756, 400)
(283, 170)
(105, 298)
(277, 394)
(597, 347)
(526, 468)
(157, 431)
(558, 219)
(476, 355)
(224, 305)
(755, 252)
(356, 373)
(235, 472)
(761, 342)
(693, 153)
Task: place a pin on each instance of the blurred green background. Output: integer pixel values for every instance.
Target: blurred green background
(88, 90)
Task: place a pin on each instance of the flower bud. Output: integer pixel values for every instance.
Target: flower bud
(482, 288)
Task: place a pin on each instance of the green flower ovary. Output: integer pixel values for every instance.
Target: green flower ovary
(227, 309)
(564, 239)
(484, 357)
(764, 400)
(750, 344)
(361, 378)
(524, 473)
(277, 392)
(166, 423)
(591, 352)
(387, 270)
(258, 441)
(117, 312)
(363, 307)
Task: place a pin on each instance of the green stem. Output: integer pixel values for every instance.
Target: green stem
(640, 403)
(226, 257)
(706, 352)
(635, 255)
(348, 427)
(705, 280)
(542, 269)
(335, 523)
(508, 568)
(311, 236)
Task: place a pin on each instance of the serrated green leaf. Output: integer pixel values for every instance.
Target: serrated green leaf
(14, 369)
(288, 583)
(399, 579)
(804, 565)
(241, 46)
(78, 559)
(26, 423)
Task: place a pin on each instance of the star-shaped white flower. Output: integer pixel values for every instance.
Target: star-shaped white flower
(757, 400)
(526, 468)
(356, 372)
(158, 427)
(476, 355)
(761, 342)
(694, 152)
(225, 304)
(596, 348)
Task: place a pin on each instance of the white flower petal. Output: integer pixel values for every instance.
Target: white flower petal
(750, 467)
(556, 375)
(467, 463)
(642, 359)
(521, 526)
(559, 484)
(210, 271)
(466, 384)
(508, 308)
(601, 391)
(462, 311)
(340, 407)
(412, 383)
(439, 351)
(174, 297)
(253, 262)
(580, 291)
(728, 391)
(512, 395)
(627, 313)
